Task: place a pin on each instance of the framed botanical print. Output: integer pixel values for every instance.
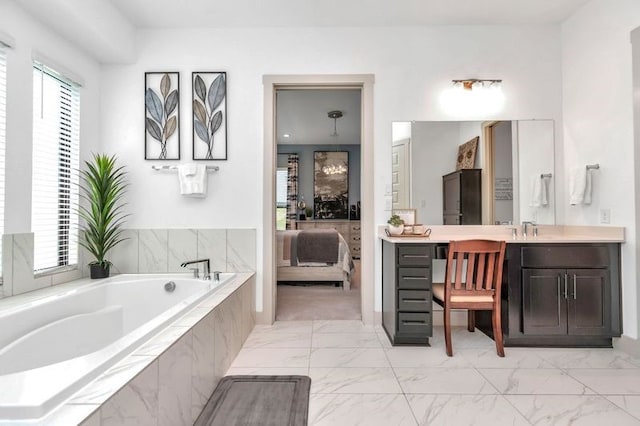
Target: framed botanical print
(209, 94)
(162, 115)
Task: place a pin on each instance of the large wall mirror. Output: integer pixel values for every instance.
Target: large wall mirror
(516, 158)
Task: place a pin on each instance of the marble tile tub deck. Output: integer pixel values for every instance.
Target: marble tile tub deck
(358, 378)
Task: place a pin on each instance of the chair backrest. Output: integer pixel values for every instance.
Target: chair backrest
(474, 267)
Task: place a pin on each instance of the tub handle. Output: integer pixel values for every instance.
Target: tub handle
(216, 276)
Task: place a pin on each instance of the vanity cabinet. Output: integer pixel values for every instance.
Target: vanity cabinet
(406, 292)
(462, 197)
(561, 295)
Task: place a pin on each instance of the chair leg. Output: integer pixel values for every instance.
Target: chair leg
(471, 321)
(447, 330)
(496, 321)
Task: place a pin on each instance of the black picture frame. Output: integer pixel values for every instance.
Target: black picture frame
(330, 186)
(162, 115)
(209, 117)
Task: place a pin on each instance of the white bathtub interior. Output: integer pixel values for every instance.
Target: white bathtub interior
(53, 346)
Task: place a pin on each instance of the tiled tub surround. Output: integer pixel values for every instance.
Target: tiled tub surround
(144, 251)
(168, 379)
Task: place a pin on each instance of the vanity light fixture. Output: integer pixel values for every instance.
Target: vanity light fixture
(473, 97)
(335, 115)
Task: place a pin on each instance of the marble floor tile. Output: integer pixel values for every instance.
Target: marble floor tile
(353, 380)
(278, 339)
(341, 326)
(465, 410)
(609, 381)
(345, 340)
(461, 339)
(591, 358)
(629, 403)
(424, 357)
(285, 326)
(359, 409)
(348, 357)
(514, 358)
(384, 339)
(272, 357)
(268, 371)
(558, 410)
(443, 380)
(540, 381)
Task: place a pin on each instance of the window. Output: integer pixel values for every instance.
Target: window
(56, 126)
(3, 135)
(281, 198)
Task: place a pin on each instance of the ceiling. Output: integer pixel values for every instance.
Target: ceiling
(302, 13)
(106, 29)
(303, 115)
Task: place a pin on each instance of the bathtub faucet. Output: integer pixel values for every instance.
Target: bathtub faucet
(207, 268)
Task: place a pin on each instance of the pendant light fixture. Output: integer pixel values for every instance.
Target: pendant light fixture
(335, 115)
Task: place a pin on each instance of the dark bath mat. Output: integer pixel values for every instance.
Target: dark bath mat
(258, 400)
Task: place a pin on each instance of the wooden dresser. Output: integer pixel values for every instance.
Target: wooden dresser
(349, 229)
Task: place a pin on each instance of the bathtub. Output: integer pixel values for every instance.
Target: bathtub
(53, 346)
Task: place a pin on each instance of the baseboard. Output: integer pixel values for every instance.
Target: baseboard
(628, 345)
(377, 318)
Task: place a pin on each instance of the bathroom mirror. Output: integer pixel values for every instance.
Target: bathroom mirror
(516, 158)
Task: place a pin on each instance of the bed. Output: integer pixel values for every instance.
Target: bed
(313, 255)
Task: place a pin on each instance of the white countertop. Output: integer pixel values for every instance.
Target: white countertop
(546, 234)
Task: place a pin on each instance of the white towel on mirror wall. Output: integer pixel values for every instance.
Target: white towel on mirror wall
(536, 190)
(193, 180)
(544, 197)
(588, 187)
(578, 185)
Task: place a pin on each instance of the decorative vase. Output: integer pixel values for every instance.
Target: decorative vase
(396, 230)
(98, 271)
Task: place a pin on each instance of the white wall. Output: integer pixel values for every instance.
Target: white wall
(407, 87)
(598, 124)
(32, 38)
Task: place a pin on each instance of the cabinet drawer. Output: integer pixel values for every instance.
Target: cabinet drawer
(414, 300)
(417, 255)
(355, 238)
(355, 250)
(414, 278)
(414, 323)
(565, 257)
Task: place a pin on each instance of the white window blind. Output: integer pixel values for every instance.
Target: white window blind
(3, 134)
(281, 187)
(56, 127)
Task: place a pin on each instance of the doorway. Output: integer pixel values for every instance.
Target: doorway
(267, 293)
(318, 143)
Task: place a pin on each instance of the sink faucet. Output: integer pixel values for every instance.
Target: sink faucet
(207, 268)
(525, 228)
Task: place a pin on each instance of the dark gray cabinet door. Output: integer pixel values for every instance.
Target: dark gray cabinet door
(544, 307)
(451, 194)
(589, 302)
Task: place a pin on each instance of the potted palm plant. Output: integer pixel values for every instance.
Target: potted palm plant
(102, 188)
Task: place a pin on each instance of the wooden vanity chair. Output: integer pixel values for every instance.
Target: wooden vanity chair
(473, 281)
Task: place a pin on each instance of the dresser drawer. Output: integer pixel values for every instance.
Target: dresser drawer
(414, 300)
(355, 250)
(415, 255)
(414, 323)
(355, 227)
(414, 278)
(355, 238)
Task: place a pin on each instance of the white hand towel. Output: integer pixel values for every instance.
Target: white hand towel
(545, 191)
(193, 180)
(577, 185)
(536, 190)
(588, 187)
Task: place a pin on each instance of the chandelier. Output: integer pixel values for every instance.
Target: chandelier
(334, 169)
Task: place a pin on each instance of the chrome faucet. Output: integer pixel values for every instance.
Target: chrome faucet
(525, 227)
(206, 264)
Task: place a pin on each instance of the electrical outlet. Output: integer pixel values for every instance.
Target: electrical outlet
(605, 215)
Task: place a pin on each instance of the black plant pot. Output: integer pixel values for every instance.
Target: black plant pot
(98, 271)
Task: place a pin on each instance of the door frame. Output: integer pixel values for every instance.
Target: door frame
(266, 313)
